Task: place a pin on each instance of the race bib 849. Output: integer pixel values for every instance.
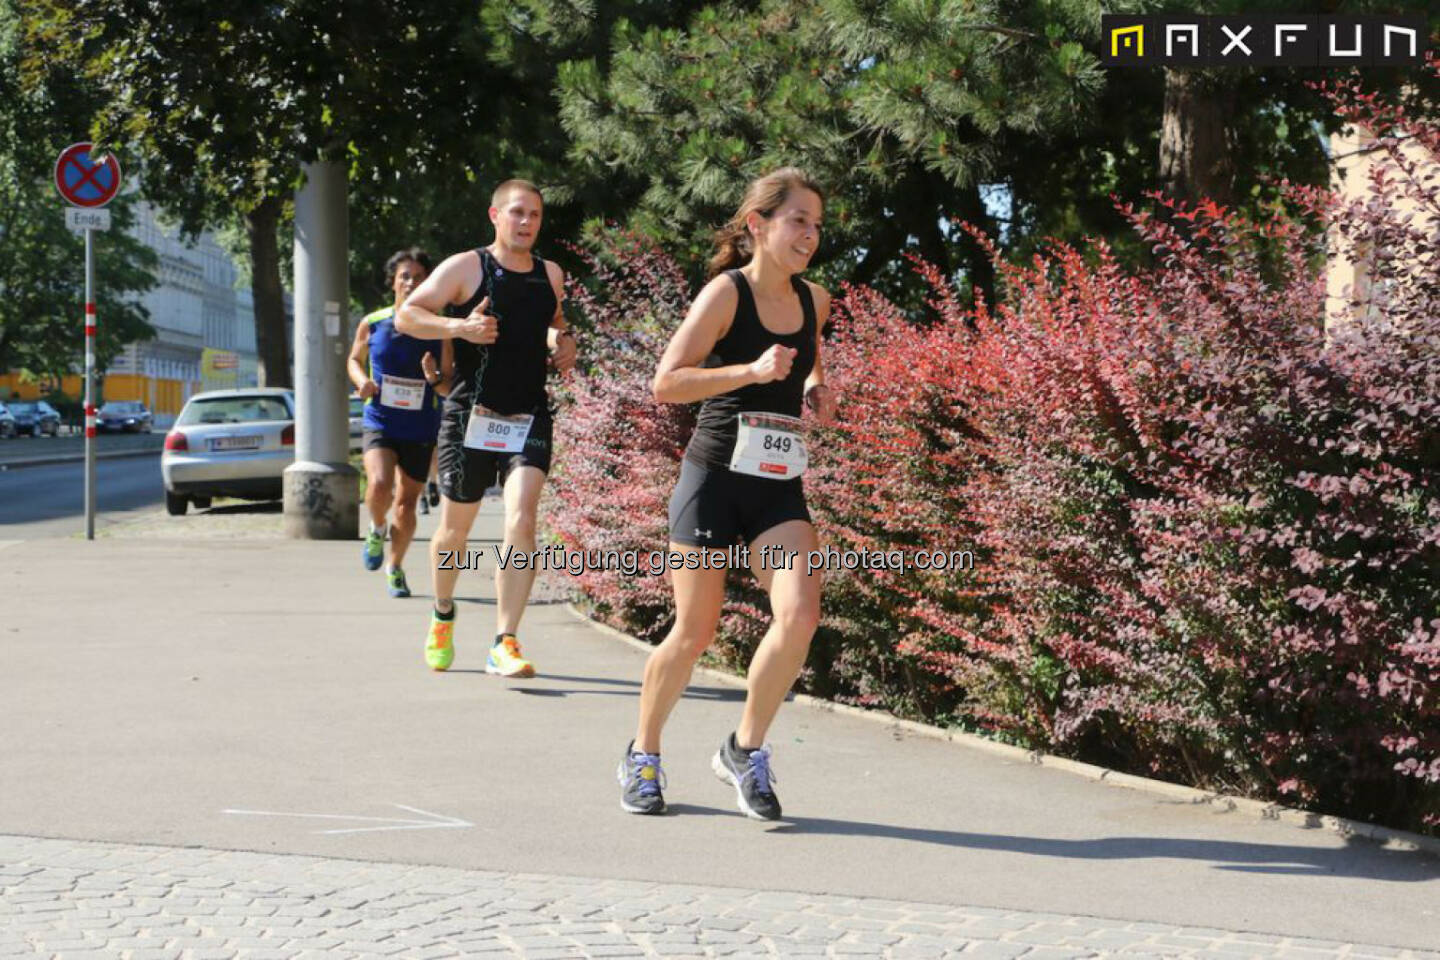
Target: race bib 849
(769, 445)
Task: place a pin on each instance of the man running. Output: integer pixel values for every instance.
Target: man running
(498, 310)
(396, 376)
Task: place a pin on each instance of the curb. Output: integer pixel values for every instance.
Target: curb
(1386, 837)
(73, 458)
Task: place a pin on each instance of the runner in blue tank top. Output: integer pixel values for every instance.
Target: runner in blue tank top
(396, 376)
(749, 352)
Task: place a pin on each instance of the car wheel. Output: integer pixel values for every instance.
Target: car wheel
(201, 503)
(176, 504)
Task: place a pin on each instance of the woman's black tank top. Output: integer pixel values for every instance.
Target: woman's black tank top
(714, 439)
(508, 376)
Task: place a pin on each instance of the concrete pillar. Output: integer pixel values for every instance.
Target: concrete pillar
(322, 490)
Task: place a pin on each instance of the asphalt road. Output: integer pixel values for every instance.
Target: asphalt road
(21, 449)
(49, 501)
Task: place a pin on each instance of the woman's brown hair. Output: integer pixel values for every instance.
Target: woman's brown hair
(733, 246)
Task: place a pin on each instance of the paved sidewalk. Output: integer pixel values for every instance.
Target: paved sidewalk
(105, 900)
(244, 693)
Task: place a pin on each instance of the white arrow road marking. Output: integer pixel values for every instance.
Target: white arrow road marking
(435, 821)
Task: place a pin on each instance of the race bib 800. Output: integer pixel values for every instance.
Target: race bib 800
(488, 430)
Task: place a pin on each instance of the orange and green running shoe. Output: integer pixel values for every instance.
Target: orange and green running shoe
(440, 645)
(505, 659)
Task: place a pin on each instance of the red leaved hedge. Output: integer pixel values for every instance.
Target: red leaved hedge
(1206, 532)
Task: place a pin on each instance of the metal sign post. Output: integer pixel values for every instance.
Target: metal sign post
(89, 384)
(88, 184)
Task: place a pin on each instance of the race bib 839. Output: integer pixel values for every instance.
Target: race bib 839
(401, 392)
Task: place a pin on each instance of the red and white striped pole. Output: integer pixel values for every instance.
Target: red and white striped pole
(90, 320)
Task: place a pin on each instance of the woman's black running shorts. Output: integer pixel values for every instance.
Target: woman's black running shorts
(715, 507)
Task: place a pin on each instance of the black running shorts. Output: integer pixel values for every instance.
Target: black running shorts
(715, 507)
(412, 455)
(466, 473)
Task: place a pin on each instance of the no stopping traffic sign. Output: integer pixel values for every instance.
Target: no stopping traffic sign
(83, 181)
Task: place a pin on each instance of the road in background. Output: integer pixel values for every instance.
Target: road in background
(18, 450)
(49, 501)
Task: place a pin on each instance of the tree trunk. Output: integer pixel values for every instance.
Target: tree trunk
(978, 268)
(1195, 155)
(262, 225)
(882, 249)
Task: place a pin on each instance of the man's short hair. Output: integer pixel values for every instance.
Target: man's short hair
(414, 254)
(508, 185)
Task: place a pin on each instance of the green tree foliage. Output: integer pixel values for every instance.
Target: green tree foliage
(497, 117)
(916, 112)
(908, 107)
(42, 264)
(223, 107)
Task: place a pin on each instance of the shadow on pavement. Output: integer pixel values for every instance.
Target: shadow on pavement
(716, 694)
(490, 602)
(628, 688)
(1358, 858)
(262, 506)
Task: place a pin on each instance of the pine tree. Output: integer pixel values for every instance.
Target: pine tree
(907, 107)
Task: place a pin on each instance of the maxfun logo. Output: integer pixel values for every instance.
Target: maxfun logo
(1303, 40)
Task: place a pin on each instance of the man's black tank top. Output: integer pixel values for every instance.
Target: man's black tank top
(508, 376)
(714, 439)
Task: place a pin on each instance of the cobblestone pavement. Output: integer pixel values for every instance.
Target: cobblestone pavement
(77, 899)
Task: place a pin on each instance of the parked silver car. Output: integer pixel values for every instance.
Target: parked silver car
(229, 443)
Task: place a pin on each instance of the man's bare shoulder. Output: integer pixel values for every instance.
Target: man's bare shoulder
(556, 273)
(464, 260)
(458, 276)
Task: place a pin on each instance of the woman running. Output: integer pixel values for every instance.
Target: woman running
(750, 350)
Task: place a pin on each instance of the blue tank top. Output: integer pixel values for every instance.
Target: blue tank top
(394, 354)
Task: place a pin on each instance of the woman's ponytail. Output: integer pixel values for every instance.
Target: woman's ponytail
(732, 247)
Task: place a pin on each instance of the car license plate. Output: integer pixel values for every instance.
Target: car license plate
(235, 443)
